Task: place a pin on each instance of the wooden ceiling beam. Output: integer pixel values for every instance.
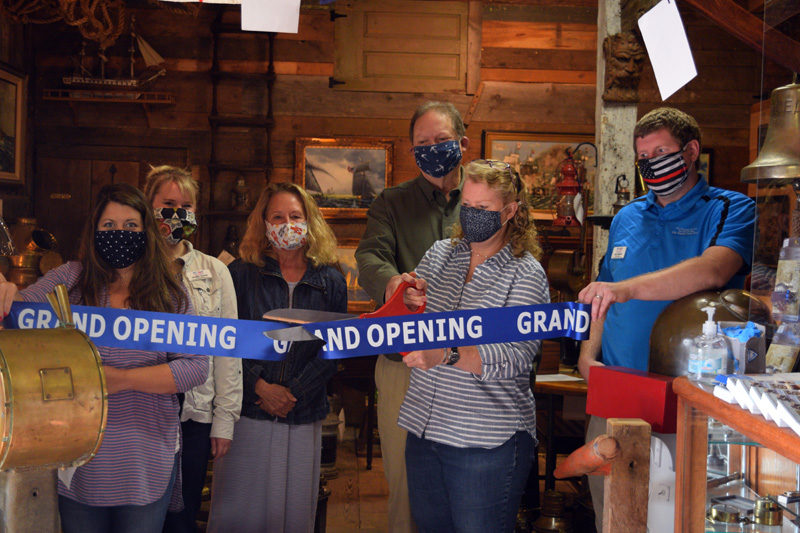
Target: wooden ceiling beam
(779, 11)
(748, 28)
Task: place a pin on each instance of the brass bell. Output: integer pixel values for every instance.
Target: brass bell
(778, 162)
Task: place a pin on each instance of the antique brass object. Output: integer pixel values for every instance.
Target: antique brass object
(779, 158)
(767, 512)
(552, 519)
(722, 512)
(54, 395)
(52, 385)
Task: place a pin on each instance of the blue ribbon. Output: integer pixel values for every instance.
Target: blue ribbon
(199, 335)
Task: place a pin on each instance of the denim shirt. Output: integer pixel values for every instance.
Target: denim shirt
(262, 289)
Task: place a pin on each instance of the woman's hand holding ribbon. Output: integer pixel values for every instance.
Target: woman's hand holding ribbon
(424, 359)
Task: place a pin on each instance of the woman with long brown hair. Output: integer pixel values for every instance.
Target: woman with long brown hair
(270, 478)
(128, 485)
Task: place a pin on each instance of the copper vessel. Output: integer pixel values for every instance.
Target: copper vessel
(55, 401)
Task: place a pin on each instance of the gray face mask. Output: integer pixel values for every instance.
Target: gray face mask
(479, 224)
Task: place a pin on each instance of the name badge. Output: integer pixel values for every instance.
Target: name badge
(618, 252)
(199, 274)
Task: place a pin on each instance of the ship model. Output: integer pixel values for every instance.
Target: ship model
(83, 78)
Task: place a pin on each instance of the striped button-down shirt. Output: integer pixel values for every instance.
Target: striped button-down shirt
(134, 463)
(452, 406)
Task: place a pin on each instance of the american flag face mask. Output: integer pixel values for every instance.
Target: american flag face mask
(664, 174)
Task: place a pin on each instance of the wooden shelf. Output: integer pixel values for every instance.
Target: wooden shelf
(100, 95)
(133, 96)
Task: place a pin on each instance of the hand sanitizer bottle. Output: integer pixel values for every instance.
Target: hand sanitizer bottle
(709, 355)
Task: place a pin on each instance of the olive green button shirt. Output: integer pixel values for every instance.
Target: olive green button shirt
(402, 223)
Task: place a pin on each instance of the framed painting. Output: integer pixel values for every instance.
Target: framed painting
(343, 174)
(12, 126)
(536, 156)
(358, 301)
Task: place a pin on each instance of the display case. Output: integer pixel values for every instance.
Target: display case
(726, 454)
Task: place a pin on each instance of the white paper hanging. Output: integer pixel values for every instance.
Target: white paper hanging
(667, 46)
(281, 16)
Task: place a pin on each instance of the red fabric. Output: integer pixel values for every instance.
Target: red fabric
(619, 392)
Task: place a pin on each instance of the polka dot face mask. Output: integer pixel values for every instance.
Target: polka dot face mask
(120, 248)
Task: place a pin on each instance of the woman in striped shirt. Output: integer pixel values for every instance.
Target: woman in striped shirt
(128, 485)
(469, 411)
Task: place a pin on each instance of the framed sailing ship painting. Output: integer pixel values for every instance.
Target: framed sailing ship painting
(343, 174)
(12, 126)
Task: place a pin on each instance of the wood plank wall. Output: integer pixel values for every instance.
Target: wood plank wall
(537, 68)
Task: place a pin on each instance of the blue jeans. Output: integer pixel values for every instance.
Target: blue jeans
(77, 517)
(467, 489)
(194, 463)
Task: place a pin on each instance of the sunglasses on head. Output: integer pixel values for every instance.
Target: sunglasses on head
(502, 165)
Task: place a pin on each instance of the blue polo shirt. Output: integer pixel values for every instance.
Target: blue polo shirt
(645, 237)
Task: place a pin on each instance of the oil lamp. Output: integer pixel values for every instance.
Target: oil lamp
(568, 189)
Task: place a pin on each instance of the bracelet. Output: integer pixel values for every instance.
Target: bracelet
(444, 358)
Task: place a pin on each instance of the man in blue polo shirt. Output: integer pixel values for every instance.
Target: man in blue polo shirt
(682, 237)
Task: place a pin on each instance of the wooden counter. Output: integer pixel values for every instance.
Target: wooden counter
(695, 405)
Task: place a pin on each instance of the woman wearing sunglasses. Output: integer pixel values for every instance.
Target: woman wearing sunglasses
(209, 410)
(469, 411)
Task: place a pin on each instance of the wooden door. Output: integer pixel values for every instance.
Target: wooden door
(66, 187)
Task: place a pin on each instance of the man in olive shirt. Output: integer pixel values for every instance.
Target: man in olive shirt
(402, 223)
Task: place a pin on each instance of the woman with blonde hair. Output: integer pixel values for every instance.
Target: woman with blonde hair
(209, 410)
(469, 411)
(270, 478)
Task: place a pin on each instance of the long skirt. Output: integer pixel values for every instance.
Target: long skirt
(269, 479)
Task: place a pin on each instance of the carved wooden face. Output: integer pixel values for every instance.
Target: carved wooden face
(624, 57)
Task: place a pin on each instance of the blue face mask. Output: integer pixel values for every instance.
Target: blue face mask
(438, 160)
(479, 224)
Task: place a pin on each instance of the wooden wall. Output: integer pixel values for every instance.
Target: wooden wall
(537, 67)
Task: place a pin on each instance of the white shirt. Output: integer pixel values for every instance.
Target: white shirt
(218, 401)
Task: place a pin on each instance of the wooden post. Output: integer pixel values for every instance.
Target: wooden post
(613, 126)
(626, 488)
